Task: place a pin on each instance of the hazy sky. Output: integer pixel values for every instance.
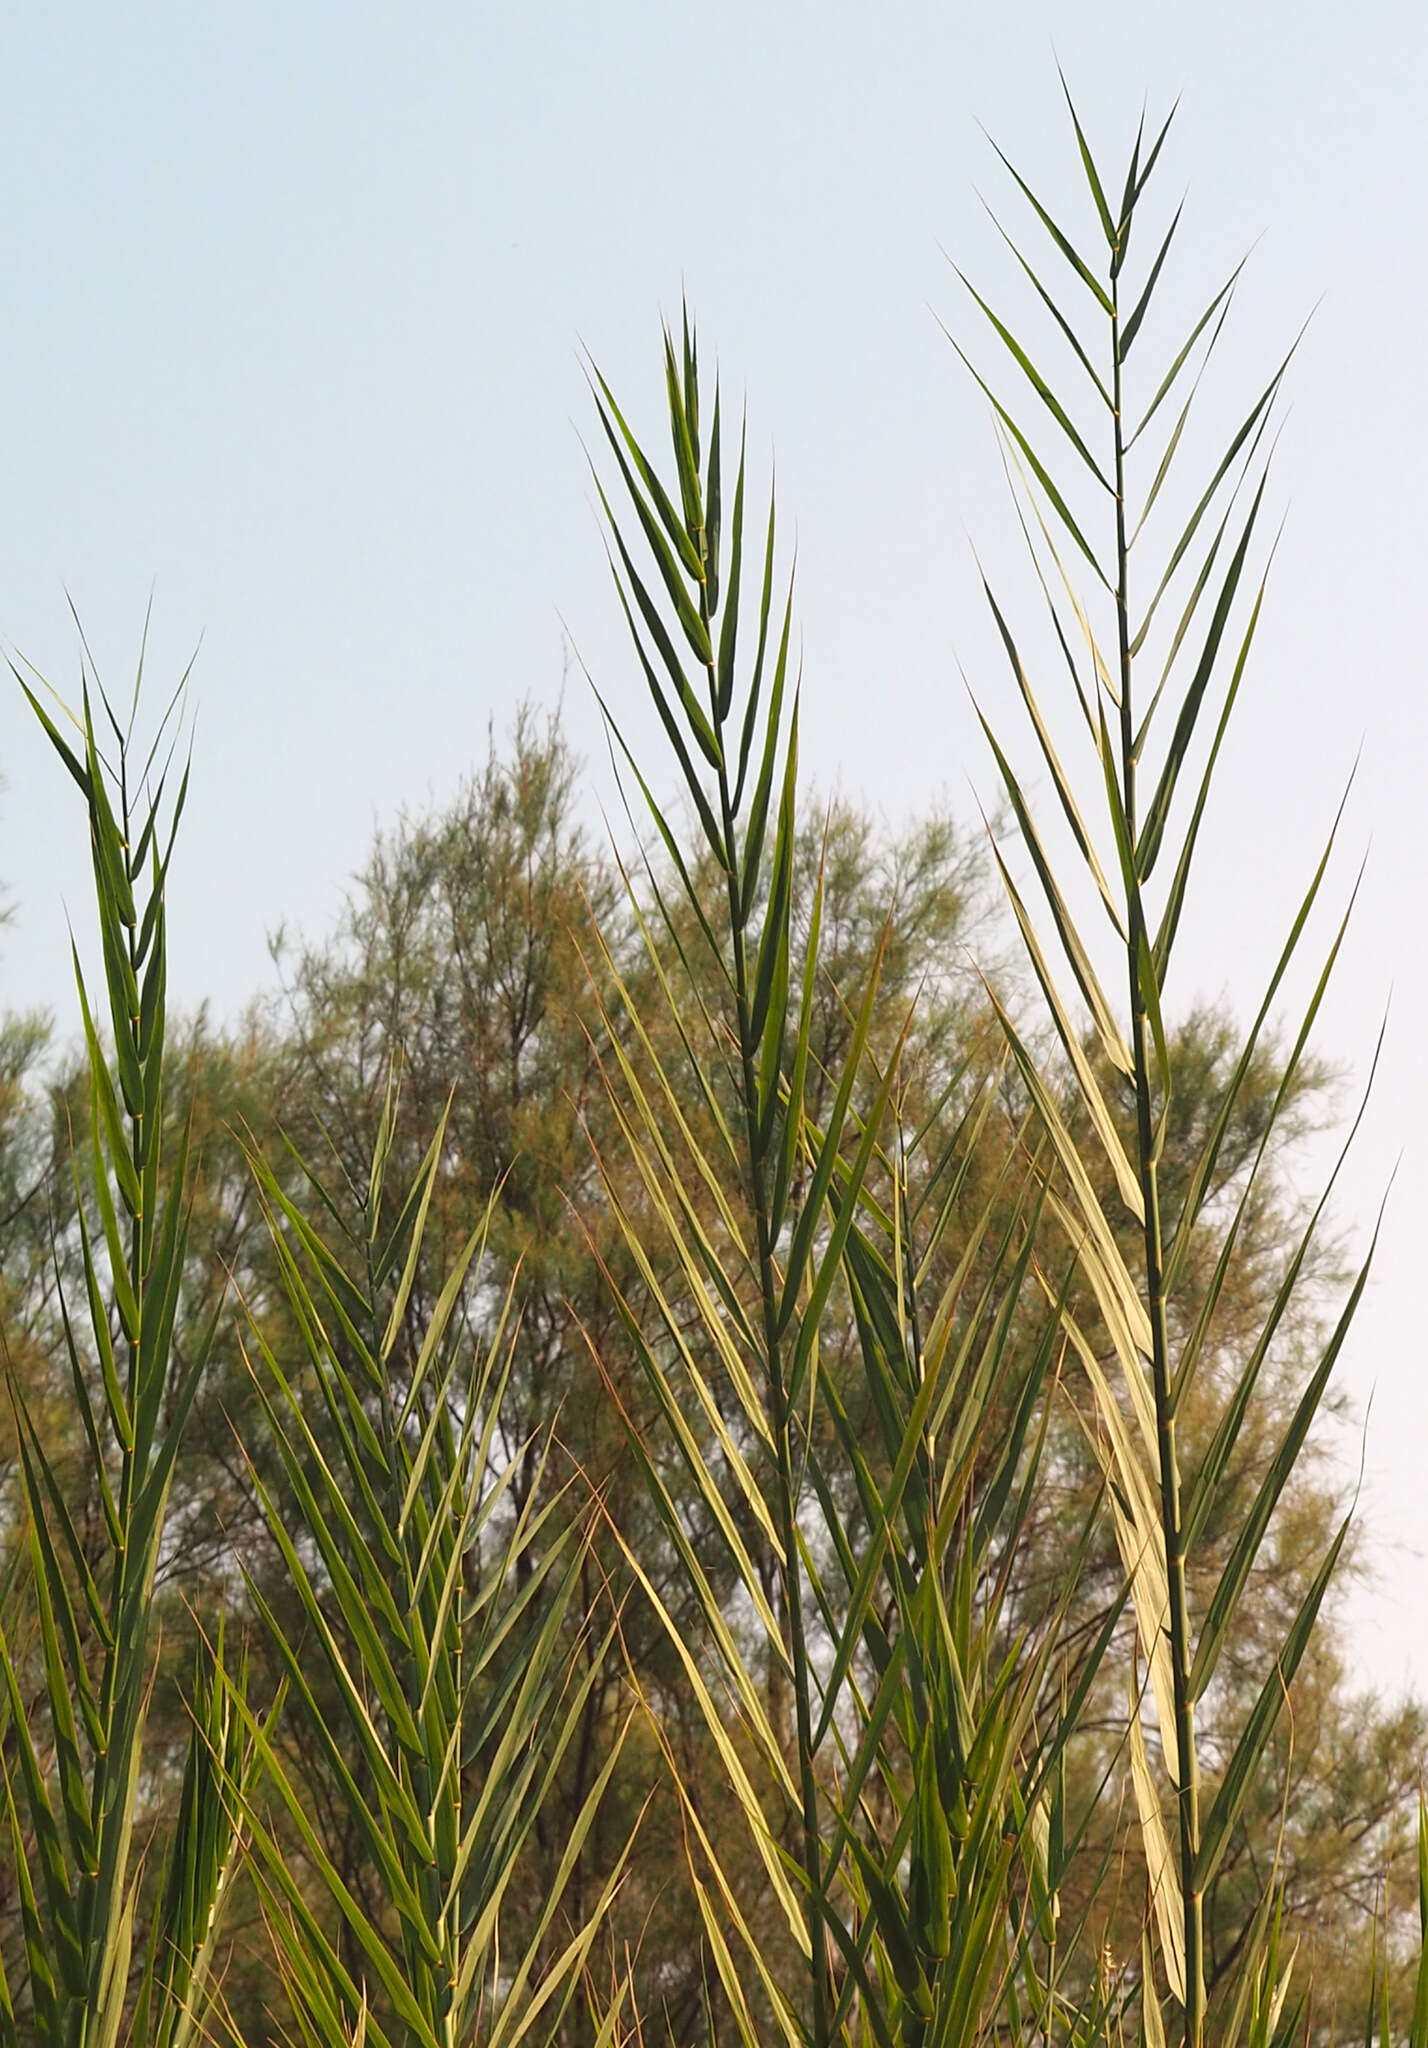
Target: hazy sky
(294, 299)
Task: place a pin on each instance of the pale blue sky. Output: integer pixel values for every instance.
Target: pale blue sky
(293, 302)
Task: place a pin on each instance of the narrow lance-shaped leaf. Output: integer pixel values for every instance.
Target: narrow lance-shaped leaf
(1073, 946)
(610, 418)
(1168, 381)
(1060, 781)
(1256, 415)
(713, 517)
(1068, 331)
(729, 628)
(1239, 1775)
(1142, 305)
(752, 703)
(1038, 468)
(1152, 832)
(686, 457)
(1225, 1600)
(704, 733)
(1038, 384)
(1063, 243)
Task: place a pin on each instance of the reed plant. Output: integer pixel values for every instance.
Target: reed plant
(436, 1601)
(77, 1659)
(1154, 590)
(770, 1216)
(436, 1609)
(904, 1804)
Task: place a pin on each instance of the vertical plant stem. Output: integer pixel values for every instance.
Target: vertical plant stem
(99, 1906)
(781, 1412)
(435, 1986)
(1148, 1155)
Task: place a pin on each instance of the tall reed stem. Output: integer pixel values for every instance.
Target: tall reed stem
(1148, 1150)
